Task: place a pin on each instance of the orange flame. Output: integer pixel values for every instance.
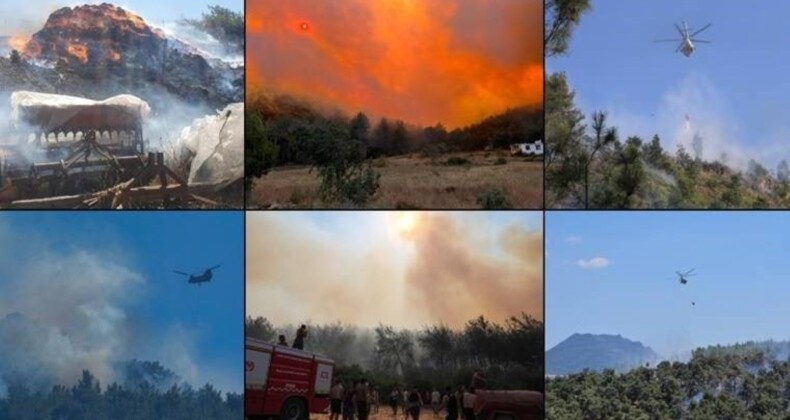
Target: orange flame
(448, 61)
(78, 51)
(18, 42)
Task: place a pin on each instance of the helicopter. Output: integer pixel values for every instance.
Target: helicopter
(687, 39)
(204, 277)
(682, 277)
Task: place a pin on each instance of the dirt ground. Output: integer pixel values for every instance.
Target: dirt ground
(415, 182)
(385, 413)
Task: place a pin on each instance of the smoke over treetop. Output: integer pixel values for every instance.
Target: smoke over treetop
(449, 61)
(403, 269)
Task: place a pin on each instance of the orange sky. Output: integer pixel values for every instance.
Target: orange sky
(423, 61)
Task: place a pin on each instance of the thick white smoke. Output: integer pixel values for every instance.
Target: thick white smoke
(67, 307)
(64, 312)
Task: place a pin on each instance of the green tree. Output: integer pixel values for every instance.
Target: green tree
(562, 17)
(259, 328)
(631, 174)
(261, 151)
(360, 125)
(223, 24)
(603, 137)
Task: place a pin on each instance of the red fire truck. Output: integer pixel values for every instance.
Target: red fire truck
(508, 405)
(285, 382)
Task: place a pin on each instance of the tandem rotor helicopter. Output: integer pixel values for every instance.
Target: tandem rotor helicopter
(204, 277)
(687, 40)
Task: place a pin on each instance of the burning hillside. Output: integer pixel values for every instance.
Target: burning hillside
(104, 50)
(97, 35)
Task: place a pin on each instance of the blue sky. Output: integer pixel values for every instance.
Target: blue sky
(740, 289)
(735, 88)
(204, 323)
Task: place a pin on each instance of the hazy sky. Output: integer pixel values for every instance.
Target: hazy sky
(614, 272)
(736, 88)
(110, 275)
(15, 19)
(407, 269)
(448, 61)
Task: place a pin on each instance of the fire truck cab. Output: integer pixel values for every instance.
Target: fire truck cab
(284, 382)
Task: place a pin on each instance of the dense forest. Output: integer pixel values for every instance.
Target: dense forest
(282, 130)
(745, 381)
(590, 164)
(142, 396)
(509, 354)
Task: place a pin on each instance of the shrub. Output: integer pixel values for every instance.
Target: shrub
(493, 200)
(458, 161)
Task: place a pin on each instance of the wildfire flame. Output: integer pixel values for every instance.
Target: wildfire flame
(448, 61)
(95, 33)
(78, 51)
(18, 42)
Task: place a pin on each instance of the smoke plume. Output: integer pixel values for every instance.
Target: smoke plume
(448, 61)
(67, 307)
(65, 312)
(453, 277)
(425, 269)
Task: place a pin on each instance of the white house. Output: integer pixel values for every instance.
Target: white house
(527, 149)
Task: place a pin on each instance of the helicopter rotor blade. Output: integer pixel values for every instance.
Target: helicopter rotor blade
(680, 31)
(215, 267)
(668, 40)
(702, 41)
(700, 30)
(181, 272)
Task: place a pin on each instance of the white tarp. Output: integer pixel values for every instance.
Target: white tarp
(217, 143)
(49, 111)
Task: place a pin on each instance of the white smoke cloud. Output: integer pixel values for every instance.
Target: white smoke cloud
(65, 308)
(65, 312)
(593, 263)
(711, 115)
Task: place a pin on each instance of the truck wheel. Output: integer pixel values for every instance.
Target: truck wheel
(293, 409)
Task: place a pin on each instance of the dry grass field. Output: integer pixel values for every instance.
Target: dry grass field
(416, 182)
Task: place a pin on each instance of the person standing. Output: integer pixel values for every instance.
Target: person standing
(435, 400)
(478, 380)
(301, 334)
(415, 402)
(349, 406)
(281, 341)
(405, 402)
(450, 403)
(394, 400)
(374, 399)
(363, 407)
(469, 403)
(336, 400)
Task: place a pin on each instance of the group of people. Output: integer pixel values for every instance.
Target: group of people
(358, 400)
(353, 402)
(301, 334)
(458, 404)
